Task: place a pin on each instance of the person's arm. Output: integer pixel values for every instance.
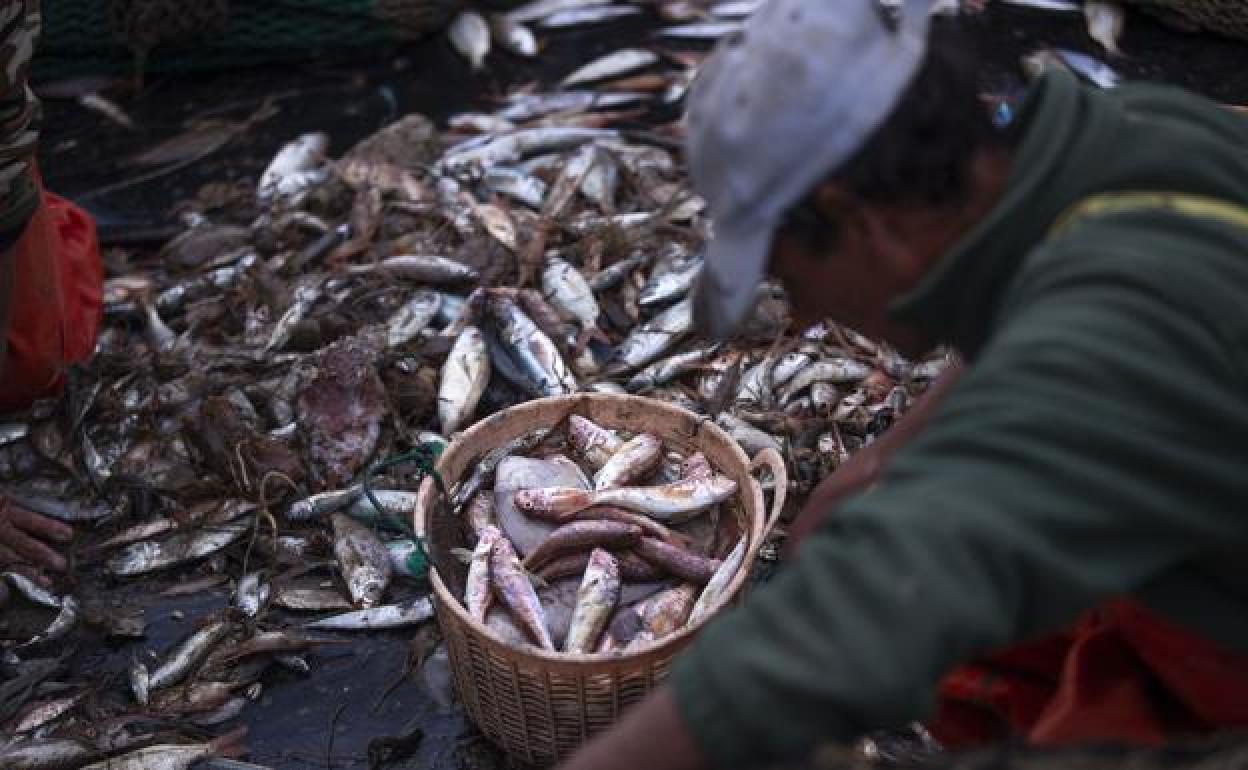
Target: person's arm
(1063, 469)
(866, 466)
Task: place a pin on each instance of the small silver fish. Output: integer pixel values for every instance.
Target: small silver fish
(398, 508)
(470, 36)
(251, 594)
(569, 293)
(173, 756)
(61, 625)
(539, 9)
(362, 559)
(46, 754)
(653, 338)
(323, 503)
(298, 166)
(577, 17)
(305, 297)
(419, 268)
(149, 556)
(610, 277)
(311, 599)
(613, 65)
(377, 618)
(464, 378)
(412, 317)
(676, 500)
(188, 654)
(140, 681)
(477, 586)
(751, 439)
(512, 36)
(596, 599)
(705, 30)
(671, 285)
(529, 107)
(535, 354)
(510, 148)
(838, 371)
(517, 185)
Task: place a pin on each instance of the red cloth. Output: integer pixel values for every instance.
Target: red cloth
(57, 300)
(1122, 673)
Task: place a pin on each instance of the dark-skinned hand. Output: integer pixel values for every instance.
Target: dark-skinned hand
(27, 540)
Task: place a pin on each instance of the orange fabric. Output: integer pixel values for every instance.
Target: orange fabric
(1122, 673)
(58, 296)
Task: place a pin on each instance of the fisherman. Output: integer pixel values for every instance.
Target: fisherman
(50, 279)
(1049, 548)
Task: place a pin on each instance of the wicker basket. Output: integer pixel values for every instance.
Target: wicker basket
(538, 706)
(1224, 17)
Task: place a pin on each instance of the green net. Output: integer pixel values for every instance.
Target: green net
(103, 36)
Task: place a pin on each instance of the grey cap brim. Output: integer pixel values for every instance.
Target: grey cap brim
(727, 288)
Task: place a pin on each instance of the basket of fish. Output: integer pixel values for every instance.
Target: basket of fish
(578, 544)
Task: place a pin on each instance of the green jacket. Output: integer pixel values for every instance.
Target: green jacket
(1097, 446)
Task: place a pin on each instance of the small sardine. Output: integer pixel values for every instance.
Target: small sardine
(517, 185)
(684, 564)
(174, 756)
(33, 591)
(577, 17)
(533, 106)
(610, 277)
(596, 598)
(297, 166)
(187, 655)
(632, 462)
(305, 297)
(569, 293)
(670, 285)
(751, 439)
(140, 681)
(513, 147)
(362, 559)
(540, 9)
(191, 698)
(36, 715)
(706, 30)
(377, 618)
(61, 625)
(398, 509)
(838, 371)
(311, 599)
(149, 556)
(512, 587)
(419, 268)
(534, 353)
(470, 36)
(46, 754)
(709, 600)
(613, 65)
(412, 317)
(464, 378)
(251, 594)
(665, 370)
(323, 503)
(653, 338)
(477, 587)
(513, 36)
(160, 336)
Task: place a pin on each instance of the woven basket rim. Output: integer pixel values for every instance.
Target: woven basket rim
(597, 662)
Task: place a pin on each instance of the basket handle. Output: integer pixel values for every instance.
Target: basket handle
(770, 459)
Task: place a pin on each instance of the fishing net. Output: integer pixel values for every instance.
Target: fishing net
(107, 36)
(1225, 17)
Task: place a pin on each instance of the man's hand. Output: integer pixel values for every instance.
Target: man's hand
(25, 538)
(652, 736)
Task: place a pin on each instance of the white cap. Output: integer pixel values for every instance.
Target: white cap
(775, 110)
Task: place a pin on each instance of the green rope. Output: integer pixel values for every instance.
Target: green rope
(424, 457)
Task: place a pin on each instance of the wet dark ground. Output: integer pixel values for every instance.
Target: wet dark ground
(358, 692)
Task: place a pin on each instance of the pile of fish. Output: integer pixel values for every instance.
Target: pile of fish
(253, 377)
(610, 565)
